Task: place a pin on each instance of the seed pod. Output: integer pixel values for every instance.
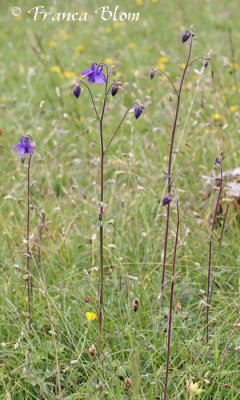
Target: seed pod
(186, 36)
(135, 305)
(92, 350)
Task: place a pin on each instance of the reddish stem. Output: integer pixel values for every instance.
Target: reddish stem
(171, 304)
(170, 165)
(28, 247)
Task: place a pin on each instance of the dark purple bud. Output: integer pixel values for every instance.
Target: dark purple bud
(186, 36)
(137, 112)
(206, 64)
(152, 73)
(115, 89)
(217, 161)
(77, 90)
(167, 199)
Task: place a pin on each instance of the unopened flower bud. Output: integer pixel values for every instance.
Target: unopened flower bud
(87, 299)
(115, 89)
(152, 72)
(206, 64)
(128, 383)
(186, 36)
(135, 305)
(77, 90)
(138, 110)
(167, 199)
(217, 161)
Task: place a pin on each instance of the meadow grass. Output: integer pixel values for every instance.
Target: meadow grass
(37, 58)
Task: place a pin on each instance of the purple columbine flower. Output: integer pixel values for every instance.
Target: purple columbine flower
(186, 36)
(95, 74)
(24, 146)
(167, 199)
(77, 90)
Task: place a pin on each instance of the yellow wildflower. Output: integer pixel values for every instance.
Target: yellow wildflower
(163, 78)
(78, 49)
(161, 66)
(178, 24)
(21, 70)
(118, 75)
(234, 66)
(132, 46)
(56, 68)
(52, 43)
(118, 25)
(66, 37)
(154, 1)
(183, 66)
(217, 116)
(233, 108)
(206, 131)
(139, 2)
(91, 316)
(69, 75)
(108, 30)
(82, 119)
(133, 71)
(43, 56)
(108, 61)
(233, 88)
(163, 60)
(61, 32)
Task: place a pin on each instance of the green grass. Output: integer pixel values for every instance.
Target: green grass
(66, 186)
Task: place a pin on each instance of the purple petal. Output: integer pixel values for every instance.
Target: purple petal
(86, 72)
(99, 78)
(94, 68)
(21, 150)
(16, 147)
(91, 78)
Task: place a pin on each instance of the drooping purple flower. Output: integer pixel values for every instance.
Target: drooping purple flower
(167, 199)
(24, 146)
(95, 74)
(138, 112)
(77, 90)
(186, 36)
